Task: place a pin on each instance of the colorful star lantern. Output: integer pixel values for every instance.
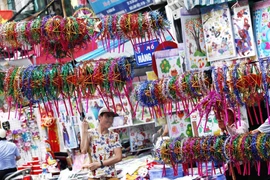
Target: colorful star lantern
(60, 36)
(241, 149)
(53, 82)
(230, 87)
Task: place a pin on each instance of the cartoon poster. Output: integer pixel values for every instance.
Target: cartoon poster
(140, 137)
(261, 19)
(179, 125)
(243, 32)
(124, 111)
(168, 63)
(218, 33)
(193, 38)
(205, 128)
(69, 134)
(123, 133)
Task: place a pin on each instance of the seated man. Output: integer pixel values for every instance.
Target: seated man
(230, 128)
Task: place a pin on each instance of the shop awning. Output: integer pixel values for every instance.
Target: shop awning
(189, 4)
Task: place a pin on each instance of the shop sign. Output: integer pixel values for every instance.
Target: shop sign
(143, 52)
(109, 7)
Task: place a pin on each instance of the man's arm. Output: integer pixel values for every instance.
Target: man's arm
(264, 128)
(17, 154)
(85, 139)
(108, 162)
(115, 159)
(18, 158)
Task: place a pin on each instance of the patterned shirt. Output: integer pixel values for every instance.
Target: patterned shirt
(102, 147)
(8, 153)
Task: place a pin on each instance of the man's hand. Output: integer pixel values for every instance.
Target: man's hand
(92, 166)
(85, 126)
(255, 131)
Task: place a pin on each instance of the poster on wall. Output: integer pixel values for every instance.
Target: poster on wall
(261, 19)
(122, 109)
(243, 32)
(193, 38)
(179, 125)
(209, 127)
(218, 34)
(140, 137)
(70, 132)
(168, 63)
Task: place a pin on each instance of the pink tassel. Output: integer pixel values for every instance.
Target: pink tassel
(268, 168)
(267, 108)
(136, 108)
(102, 97)
(20, 112)
(255, 114)
(150, 112)
(16, 110)
(57, 109)
(260, 110)
(250, 117)
(70, 105)
(114, 107)
(191, 168)
(259, 167)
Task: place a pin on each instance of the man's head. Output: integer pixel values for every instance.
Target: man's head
(230, 114)
(105, 117)
(3, 134)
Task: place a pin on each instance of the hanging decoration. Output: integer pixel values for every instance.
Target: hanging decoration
(234, 86)
(60, 36)
(38, 84)
(243, 32)
(244, 148)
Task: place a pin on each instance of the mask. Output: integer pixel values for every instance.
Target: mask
(6, 125)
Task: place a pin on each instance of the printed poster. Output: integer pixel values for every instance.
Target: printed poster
(205, 128)
(122, 109)
(123, 133)
(218, 34)
(243, 32)
(193, 39)
(168, 63)
(179, 125)
(140, 137)
(70, 132)
(261, 19)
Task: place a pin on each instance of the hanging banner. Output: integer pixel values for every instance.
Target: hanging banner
(243, 32)
(106, 7)
(218, 35)
(5, 15)
(193, 39)
(261, 16)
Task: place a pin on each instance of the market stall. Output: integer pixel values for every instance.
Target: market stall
(219, 74)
